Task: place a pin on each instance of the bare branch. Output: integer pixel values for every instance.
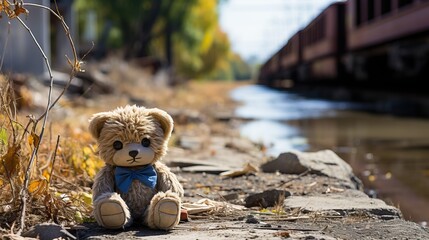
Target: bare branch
(24, 190)
(5, 45)
(75, 65)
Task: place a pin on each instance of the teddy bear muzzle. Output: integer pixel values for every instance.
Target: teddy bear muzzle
(133, 154)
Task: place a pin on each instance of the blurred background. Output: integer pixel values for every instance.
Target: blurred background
(345, 75)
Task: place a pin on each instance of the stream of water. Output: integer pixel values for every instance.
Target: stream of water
(390, 154)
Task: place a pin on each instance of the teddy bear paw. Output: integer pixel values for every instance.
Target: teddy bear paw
(112, 215)
(167, 213)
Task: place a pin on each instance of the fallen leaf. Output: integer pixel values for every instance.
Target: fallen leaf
(248, 168)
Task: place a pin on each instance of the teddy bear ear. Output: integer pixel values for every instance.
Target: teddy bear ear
(96, 123)
(165, 119)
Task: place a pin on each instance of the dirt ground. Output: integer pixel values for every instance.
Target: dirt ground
(206, 132)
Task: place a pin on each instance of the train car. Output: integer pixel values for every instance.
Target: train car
(387, 40)
(263, 77)
(323, 44)
(290, 58)
(269, 71)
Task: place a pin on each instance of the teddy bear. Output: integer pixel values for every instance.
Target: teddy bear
(134, 186)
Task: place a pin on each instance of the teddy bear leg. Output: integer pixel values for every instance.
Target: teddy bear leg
(111, 211)
(163, 211)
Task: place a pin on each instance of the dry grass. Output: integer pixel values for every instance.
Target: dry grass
(60, 179)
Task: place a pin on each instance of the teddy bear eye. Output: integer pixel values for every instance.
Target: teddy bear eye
(145, 142)
(117, 145)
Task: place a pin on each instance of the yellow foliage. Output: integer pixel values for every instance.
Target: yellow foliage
(38, 187)
(82, 196)
(86, 160)
(46, 174)
(205, 18)
(33, 139)
(14, 12)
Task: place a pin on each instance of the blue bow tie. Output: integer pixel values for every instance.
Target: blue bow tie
(125, 176)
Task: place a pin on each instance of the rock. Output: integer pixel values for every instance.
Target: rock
(228, 197)
(241, 145)
(268, 198)
(190, 142)
(199, 166)
(325, 163)
(186, 116)
(48, 231)
(252, 219)
(350, 201)
(189, 163)
(206, 169)
(95, 81)
(60, 80)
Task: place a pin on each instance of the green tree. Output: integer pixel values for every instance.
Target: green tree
(185, 34)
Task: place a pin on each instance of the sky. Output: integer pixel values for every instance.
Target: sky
(258, 28)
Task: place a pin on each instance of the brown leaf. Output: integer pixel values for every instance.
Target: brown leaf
(20, 9)
(10, 161)
(33, 139)
(37, 187)
(12, 13)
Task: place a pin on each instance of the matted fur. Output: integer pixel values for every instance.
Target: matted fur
(130, 124)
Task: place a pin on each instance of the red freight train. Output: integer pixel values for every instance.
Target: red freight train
(372, 42)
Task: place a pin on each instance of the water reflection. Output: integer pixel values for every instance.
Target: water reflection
(276, 135)
(389, 154)
(268, 104)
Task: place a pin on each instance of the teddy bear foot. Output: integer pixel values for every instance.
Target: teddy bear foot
(166, 213)
(111, 215)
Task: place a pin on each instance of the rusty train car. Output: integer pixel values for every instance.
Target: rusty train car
(356, 42)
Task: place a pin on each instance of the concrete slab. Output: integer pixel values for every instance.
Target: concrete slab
(324, 162)
(349, 202)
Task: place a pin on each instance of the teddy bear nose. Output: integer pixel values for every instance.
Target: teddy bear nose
(133, 153)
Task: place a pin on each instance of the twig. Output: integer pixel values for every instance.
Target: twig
(53, 160)
(5, 45)
(24, 190)
(286, 218)
(75, 65)
(295, 178)
(68, 182)
(289, 229)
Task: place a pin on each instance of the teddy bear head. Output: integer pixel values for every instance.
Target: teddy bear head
(131, 136)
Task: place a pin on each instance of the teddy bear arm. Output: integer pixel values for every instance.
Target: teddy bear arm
(167, 181)
(104, 182)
